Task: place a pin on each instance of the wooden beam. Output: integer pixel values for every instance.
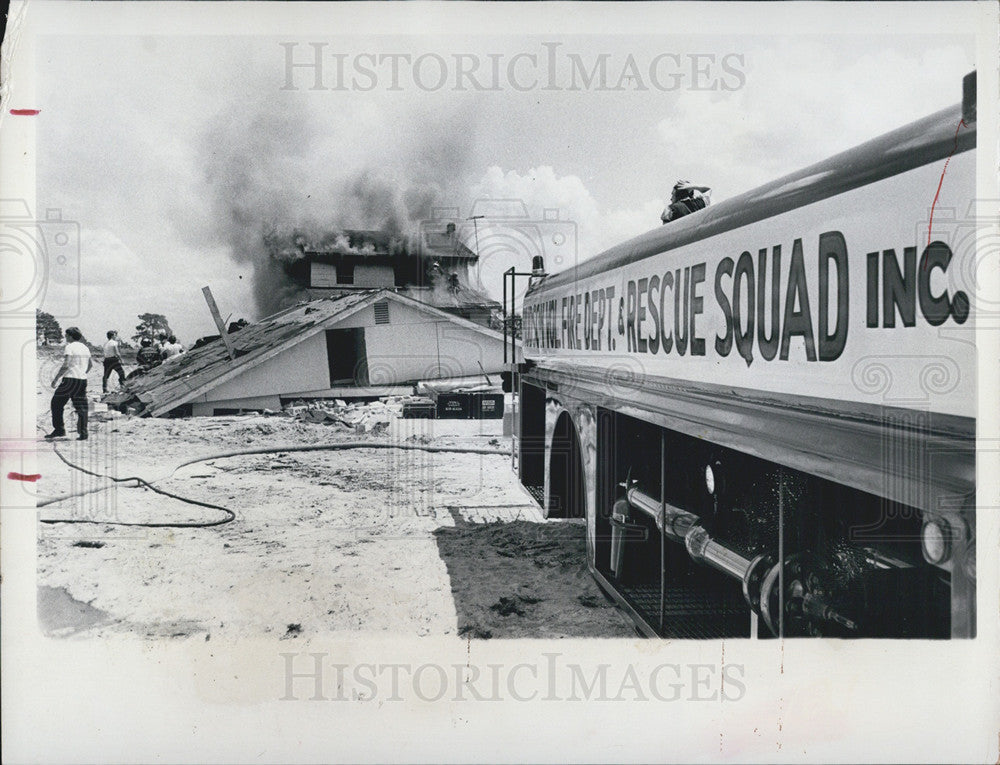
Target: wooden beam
(207, 292)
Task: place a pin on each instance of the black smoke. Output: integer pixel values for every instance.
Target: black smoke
(279, 177)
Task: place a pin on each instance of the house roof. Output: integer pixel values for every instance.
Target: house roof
(437, 244)
(187, 376)
(460, 298)
(428, 243)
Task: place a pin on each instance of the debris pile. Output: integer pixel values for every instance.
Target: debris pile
(370, 417)
(101, 412)
(477, 402)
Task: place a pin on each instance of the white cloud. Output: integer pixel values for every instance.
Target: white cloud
(106, 259)
(791, 113)
(620, 225)
(586, 229)
(541, 189)
(803, 102)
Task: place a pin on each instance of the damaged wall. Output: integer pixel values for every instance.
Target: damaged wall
(401, 344)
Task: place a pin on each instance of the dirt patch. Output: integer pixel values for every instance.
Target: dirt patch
(525, 580)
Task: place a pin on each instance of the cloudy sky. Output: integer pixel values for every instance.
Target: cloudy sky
(174, 154)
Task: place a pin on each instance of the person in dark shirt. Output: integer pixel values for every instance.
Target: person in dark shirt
(685, 198)
(147, 357)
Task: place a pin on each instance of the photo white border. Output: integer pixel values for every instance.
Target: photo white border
(125, 700)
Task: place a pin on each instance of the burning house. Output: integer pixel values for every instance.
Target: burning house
(352, 314)
(432, 266)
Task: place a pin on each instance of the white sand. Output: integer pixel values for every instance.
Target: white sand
(324, 542)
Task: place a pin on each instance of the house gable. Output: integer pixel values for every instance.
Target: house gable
(290, 353)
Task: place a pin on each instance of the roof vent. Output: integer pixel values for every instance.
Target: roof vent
(381, 312)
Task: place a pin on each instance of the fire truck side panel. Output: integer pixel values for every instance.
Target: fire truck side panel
(837, 300)
(783, 384)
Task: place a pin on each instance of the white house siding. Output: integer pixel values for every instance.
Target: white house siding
(428, 351)
(366, 275)
(413, 346)
(324, 275)
(398, 314)
(301, 367)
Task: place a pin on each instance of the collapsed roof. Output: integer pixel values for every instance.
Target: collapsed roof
(183, 378)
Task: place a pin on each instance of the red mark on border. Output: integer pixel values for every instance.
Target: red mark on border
(930, 224)
(22, 477)
(24, 112)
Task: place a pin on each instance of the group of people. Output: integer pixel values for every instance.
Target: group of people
(152, 352)
(70, 381)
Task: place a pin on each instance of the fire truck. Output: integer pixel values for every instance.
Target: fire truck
(765, 411)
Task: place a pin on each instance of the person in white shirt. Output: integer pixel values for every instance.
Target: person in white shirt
(172, 348)
(112, 360)
(73, 372)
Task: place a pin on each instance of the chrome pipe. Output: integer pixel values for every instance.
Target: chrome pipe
(676, 522)
(703, 548)
(682, 526)
(760, 576)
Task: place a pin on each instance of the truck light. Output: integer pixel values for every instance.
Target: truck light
(936, 540)
(713, 477)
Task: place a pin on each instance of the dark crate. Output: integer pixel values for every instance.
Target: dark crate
(487, 406)
(453, 406)
(419, 410)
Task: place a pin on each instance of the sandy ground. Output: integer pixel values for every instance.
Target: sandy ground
(323, 542)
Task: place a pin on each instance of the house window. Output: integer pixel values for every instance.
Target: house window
(322, 274)
(345, 273)
(382, 312)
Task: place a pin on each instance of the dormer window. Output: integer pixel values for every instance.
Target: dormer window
(345, 273)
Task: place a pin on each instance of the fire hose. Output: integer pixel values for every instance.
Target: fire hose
(766, 583)
(230, 515)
